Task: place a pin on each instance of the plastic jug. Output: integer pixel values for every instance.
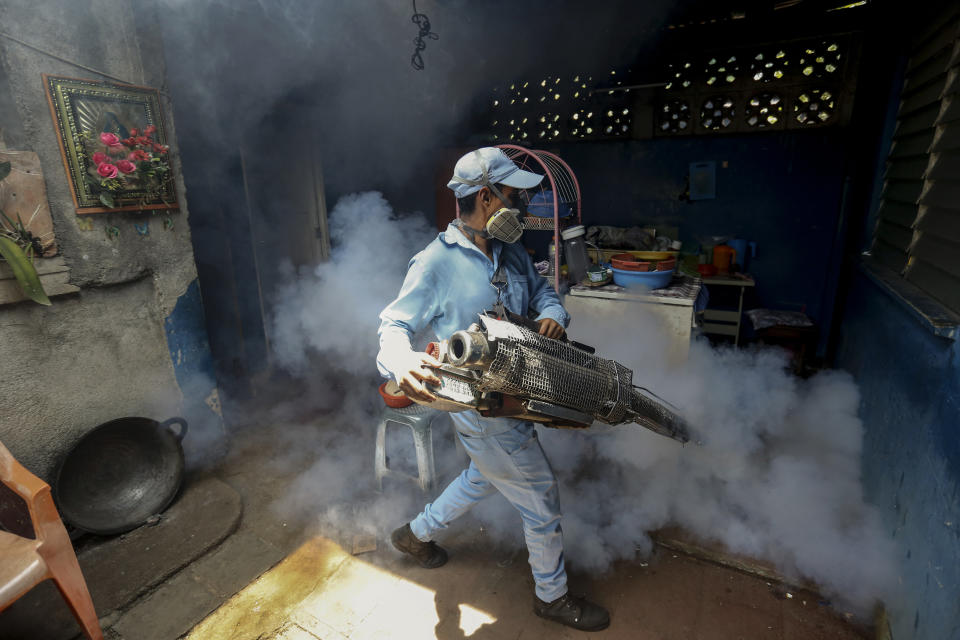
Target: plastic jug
(723, 258)
(575, 251)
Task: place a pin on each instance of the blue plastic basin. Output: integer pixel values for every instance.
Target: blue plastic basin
(541, 205)
(642, 279)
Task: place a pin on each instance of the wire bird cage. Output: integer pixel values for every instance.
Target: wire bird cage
(559, 191)
(558, 196)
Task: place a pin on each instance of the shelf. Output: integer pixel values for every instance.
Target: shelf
(534, 223)
(721, 316)
(54, 276)
(721, 329)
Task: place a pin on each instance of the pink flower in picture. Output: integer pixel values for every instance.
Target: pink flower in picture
(125, 166)
(99, 158)
(109, 139)
(107, 170)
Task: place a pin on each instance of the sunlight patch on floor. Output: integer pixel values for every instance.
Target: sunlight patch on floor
(322, 591)
(472, 619)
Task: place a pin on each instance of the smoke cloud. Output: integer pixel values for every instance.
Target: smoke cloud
(776, 473)
(776, 476)
(332, 309)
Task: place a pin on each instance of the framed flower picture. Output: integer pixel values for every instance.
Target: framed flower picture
(113, 143)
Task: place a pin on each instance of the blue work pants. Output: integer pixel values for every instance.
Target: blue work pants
(513, 463)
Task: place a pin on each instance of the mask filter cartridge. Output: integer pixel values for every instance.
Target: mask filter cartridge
(505, 225)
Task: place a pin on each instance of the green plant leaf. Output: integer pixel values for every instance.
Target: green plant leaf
(4, 170)
(23, 270)
(107, 199)
(9, 222)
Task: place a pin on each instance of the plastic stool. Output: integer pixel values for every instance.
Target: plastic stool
(418, 418)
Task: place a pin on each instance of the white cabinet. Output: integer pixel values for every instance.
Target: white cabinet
(615, 314)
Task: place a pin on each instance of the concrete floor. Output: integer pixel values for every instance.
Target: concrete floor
(266, 576)
(323, 592)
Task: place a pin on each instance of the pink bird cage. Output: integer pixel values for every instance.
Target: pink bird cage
(555, 202)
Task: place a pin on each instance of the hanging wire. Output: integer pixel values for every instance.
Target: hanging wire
(67, 60)
(423, 23)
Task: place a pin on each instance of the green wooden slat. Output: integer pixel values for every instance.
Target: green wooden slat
(915, 145)
(930, 69)
(941, 35)
(889, 256)
(919, 120)
(898, 213)
(923, 96)
(912, 168)
(894, 235)
(907, 191)
(937, 252)
(937, 283)
(946, 139)
(949, 110)
(942, 223)
(944, 166)
(942, 193)
(953, 81)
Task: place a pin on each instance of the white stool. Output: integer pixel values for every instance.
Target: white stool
(418, 418)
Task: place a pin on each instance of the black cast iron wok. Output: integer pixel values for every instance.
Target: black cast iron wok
(121, 473)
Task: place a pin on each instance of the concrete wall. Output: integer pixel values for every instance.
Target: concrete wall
(909, 381)
(102, 353)
(910, 385)
(781, 190)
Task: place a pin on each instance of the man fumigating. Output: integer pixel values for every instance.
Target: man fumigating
(469, 267)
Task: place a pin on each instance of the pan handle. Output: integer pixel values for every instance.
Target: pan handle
(177, 433)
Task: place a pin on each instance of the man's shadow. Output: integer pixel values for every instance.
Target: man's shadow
(450, 613)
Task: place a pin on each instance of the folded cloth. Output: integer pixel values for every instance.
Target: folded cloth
(621, 238)
(766, 318)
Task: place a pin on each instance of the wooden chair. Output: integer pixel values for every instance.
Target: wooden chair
(26, 562)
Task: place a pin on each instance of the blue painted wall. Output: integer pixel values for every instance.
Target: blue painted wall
(782, 190)
(910, 385)
(194, 369)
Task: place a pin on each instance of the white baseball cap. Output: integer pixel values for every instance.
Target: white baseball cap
(489, 166)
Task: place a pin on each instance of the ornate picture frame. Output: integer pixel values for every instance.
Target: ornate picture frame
(114, 145)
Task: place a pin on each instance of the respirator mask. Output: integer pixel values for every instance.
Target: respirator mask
(506, 223)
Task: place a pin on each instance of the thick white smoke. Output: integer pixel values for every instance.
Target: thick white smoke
(333, 309)
(324, 332)
(776, 474)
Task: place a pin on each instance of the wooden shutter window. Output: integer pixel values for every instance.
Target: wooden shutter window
(934, 263)
(918, 226)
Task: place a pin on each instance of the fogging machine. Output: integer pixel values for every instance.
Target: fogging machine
(502, 368)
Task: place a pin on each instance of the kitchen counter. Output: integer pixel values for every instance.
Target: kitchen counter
(672, 307)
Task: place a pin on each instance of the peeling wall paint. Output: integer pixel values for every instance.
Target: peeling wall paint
(910, 380)
(194, 370)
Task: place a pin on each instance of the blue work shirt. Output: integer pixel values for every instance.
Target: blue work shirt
(446, 288)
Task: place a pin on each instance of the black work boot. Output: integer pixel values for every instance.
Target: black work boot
(428, 554)
(578, 613)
